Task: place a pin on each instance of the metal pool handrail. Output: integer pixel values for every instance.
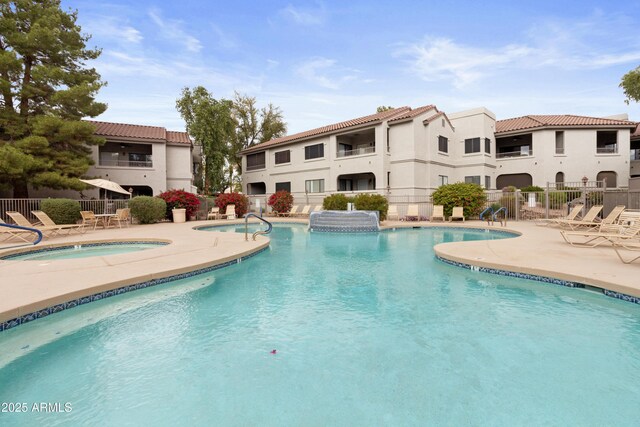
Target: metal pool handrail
(261, 232)
(20, 227)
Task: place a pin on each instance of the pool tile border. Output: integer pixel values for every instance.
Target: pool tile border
(538, 278)
(25, 318)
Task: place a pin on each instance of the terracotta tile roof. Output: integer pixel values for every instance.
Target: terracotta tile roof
(559, 120)
(435, 116)
(373, 118)
(636, 134)
(124, 130)
(410, 114)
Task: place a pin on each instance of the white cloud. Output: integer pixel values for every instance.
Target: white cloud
(575, 45)
(305, 16)
(272, 63)
(111, 28)
(172, 29)
(325, 73)
(225, 40)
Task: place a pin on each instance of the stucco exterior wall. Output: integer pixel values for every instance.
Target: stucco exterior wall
(178, 161)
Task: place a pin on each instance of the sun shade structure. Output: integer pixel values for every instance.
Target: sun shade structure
(107, 185)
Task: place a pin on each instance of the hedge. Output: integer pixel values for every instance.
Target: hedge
(61, 211)
(147, 209)
(470, 196)
(372, 202)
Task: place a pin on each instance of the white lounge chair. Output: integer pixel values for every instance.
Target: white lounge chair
(458, 213)
(591, 239)
(392, 213)
(413, 213)
(438, 213)
(573, 214)
(305, 211)
(214, 213)
(588, 220)
(230, 212)
(48, 222)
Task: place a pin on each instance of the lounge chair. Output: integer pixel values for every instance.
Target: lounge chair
(305, 211)
(412, 213)
(573, 214)
(438, 213)
(8, 233)
(588, 221)
(121, 217)
(292, 212)
(458, 213)
(392, 213)
(19, 219)
(624, 246)
(610, 223)
(317, 208)
(48, 222)
(596, 238)
(214, 213)
(230, 212)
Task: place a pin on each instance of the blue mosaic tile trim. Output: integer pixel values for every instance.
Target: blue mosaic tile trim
(84, 245)
(538, 278)
(12, 323)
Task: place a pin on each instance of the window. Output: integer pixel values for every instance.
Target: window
(255, 161)
(472, 179)
(560, 178)
(388, 179)
(607, 142)
(487, 145)
(443, 144)
(559, 143)
(283, 157)
(314, 186)
(283, 186)
(472, 145)
(442, 122)
(313, 151)
(443, 180)
(487, 182)
(388, 140)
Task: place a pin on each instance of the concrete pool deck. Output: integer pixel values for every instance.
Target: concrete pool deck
(29, 286)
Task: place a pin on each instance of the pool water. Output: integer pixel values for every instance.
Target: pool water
(367, 330)
(82, 251)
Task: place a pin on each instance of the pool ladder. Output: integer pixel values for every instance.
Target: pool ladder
(20, 227)
(259, 232)
(493, 216)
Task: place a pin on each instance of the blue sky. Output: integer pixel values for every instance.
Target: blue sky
(326, 61)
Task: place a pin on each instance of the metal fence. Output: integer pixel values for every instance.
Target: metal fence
(26, 206)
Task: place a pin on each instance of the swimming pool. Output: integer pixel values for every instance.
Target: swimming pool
(368, 329)
(81, 250)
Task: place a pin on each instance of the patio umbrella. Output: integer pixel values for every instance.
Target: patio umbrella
(107, 185)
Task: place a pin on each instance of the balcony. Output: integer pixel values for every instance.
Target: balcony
(524, 151)
(607, 149)
(635, 154)
(125, 163)
(356, 152)
(256, 166)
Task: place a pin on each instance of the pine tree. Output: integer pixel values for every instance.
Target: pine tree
(45, 91)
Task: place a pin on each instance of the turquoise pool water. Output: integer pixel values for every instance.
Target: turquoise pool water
(368, 330)
(82, 251)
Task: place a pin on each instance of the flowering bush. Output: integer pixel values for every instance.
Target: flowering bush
(180, 199)
(281, 201)
(240, 200)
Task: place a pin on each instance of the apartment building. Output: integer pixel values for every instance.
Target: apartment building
(407, 151)
(145, 160)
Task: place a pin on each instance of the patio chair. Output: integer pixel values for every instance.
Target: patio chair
(292, 212)
(48, 222)
(596, 238)
(121, 217)
(392, 213)
(573, 214)
(230, 212)
(458, 213)
(412, 213)
(438, 212)
(89, 219)
(214, 213)
(588, 220)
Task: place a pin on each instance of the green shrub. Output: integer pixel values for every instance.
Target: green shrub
(556, 199)
(470, 196)
(336, 202)
(147, 209)
(61, 211)
(281, 201)
(372, 202)
(532, 188)
(240, 201)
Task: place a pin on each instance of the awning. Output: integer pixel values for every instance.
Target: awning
(107, 185)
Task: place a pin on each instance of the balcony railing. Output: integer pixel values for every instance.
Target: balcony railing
(519, 153)
(607, 150)
(255, 167)
(126, 163)
(635, 154)
(356, 152)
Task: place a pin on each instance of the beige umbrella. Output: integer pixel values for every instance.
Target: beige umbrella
(106, 184)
